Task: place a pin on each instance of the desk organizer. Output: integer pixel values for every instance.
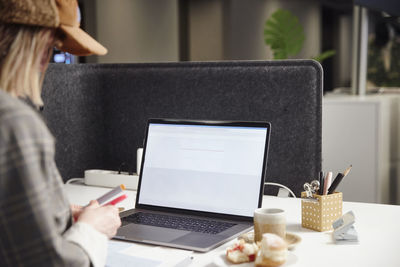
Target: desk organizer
(319, 213)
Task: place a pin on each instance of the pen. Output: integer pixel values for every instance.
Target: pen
(327, 182)
(117, 200)
(107, 196)
(321, 183)
(338, 179)
(110, 194)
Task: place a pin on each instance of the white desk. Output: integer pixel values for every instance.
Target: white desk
(378, 227)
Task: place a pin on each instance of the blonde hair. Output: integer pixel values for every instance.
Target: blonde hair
(22, 62)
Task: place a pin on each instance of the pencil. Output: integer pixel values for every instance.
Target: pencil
(338, 179)
(347, 171)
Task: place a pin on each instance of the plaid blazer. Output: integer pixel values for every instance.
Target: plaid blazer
(34, 211)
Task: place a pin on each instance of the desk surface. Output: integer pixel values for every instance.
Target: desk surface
(377, 226)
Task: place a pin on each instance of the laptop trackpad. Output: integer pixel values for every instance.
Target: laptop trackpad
(144, 232)
(198, 240)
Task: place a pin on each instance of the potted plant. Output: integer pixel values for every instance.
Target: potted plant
(285, 36)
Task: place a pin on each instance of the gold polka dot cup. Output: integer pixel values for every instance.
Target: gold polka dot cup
(319, 215)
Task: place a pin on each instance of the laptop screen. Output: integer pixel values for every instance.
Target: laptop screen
(204, 167)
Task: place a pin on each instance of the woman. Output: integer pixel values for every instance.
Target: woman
(36, 220)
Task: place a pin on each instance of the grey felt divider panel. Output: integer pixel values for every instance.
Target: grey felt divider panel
(100, 110)
(73, 109)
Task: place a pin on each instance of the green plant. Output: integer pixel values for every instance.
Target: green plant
(285, 35)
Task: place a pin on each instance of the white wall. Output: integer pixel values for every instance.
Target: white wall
(363, 131)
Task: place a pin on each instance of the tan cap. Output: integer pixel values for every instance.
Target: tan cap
(61, 14)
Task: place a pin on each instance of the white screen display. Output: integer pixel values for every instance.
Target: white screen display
(204, 168)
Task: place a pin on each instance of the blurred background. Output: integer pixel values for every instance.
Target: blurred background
(204, 30)
(360, 124)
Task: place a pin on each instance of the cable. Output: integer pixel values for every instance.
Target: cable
(281, 185)
(72, 180)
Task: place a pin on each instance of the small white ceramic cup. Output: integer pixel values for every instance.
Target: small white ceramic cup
(269, 221)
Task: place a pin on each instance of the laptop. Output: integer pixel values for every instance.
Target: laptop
(199, 184)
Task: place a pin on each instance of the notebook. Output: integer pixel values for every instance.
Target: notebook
(199, 184)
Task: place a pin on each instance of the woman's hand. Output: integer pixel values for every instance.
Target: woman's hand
(76, 210)
(104, 219)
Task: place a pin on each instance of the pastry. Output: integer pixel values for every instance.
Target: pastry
(247, 237)
(273, 251)
(241, 252)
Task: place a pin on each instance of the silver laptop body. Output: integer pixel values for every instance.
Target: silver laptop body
(200, 183)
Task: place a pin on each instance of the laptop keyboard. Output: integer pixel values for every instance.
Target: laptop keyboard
(179, 223)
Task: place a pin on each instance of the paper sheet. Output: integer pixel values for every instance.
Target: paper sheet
(123, 254)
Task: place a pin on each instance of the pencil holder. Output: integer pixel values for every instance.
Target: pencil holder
(320, 212)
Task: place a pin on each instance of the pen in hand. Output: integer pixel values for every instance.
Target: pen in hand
(104, 200)
(106, 197)
(117, 200)
(338, 179)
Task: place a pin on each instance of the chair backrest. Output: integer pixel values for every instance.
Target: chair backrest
(98, 111)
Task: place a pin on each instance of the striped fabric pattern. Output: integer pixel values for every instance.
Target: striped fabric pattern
(34, 211)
